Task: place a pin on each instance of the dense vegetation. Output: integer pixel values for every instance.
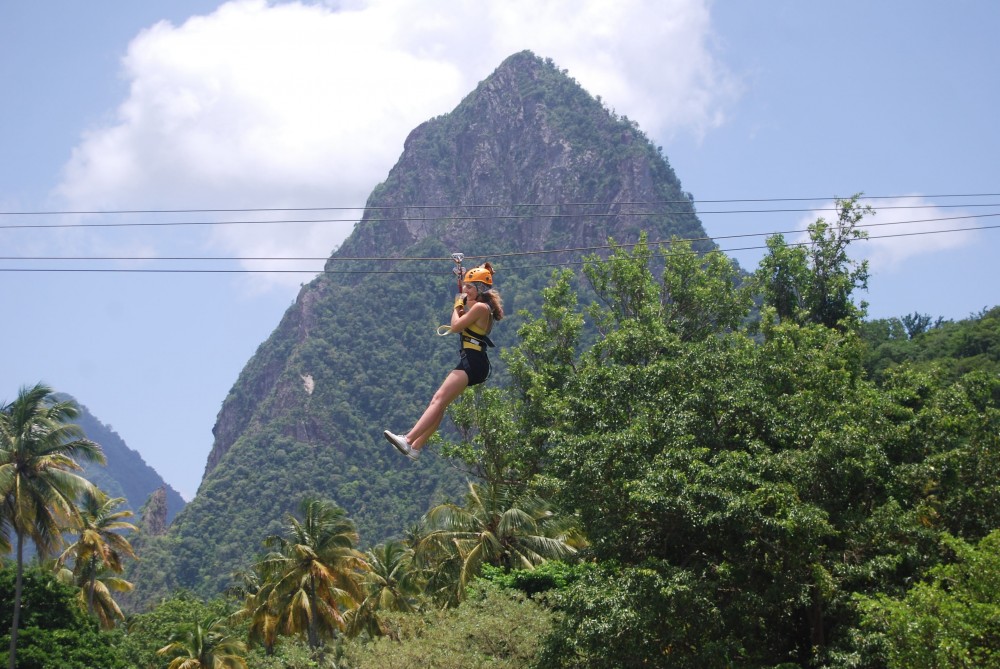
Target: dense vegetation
(676, 464)
(692, 488)
(363, 333)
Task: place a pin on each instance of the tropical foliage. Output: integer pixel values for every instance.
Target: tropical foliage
(38, 480)
(680, 486)
(495, 528)
(491, 629)
(100, 550)
(204, 644)
(310, 579)
(950, 619)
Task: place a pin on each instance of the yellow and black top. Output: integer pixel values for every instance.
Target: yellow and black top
(476, 340)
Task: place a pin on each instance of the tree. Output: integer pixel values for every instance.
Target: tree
(253, 589)
(951, 619)
(94, 586)
(99, 549)
(315, 572)
(54, 630)
(204, 645)
(814, 282)
(496, 528)
(147, 632)
(701, 294)
(38, 486)
(916, 323)
(747, 486)
(491, 629)
(392, 583)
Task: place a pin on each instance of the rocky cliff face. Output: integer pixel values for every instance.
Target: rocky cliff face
(528, 162)
(153, 521)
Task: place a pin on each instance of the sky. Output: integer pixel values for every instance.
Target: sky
(172, 109)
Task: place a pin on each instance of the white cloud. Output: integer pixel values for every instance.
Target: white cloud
(903, 230)
(910, 228)
(295, 105)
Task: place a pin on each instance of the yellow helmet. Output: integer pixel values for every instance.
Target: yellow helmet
(482, 274)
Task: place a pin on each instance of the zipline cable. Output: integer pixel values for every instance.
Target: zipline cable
(417, 219)
(437, 273)
(488, 256)
(440, 206)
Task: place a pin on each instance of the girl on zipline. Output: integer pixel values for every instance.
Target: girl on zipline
(475, 311)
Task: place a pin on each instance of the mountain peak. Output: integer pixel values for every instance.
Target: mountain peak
(523, 153)
(528, 162)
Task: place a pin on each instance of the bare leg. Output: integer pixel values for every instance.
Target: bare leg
(453, 385)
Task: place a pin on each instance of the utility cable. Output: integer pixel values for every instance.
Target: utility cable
(487, 256)
(440, 206)
(438, 273)
(491, 217)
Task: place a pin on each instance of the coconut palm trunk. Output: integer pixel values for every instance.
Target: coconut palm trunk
(91, 587)
(18, 587)
(313, 631)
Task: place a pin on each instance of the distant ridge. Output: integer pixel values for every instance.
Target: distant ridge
(126, 474)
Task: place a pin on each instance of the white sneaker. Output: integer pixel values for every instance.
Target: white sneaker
(402, 445)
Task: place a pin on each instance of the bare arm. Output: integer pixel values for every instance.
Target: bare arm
(471, 316)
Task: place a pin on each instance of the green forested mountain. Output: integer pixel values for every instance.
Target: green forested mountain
(126, 473)
(954, 347)
(527, 166)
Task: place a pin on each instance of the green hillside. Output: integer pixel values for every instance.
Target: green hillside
(504, 173)
(126, 473)
(955, 347)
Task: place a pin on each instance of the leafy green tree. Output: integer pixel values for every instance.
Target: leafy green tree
(753, 482)
(491, 629)
(814, 282)
(620, 617)
(100, 547)
(38, 483)
(948, 442)
(315, 572)
(701, 293)
(916, 324)
(55, 631)
(954, 347)
(204, 645)
(951, 619)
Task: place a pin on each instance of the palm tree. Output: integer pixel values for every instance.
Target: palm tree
(392, 584)
(38, 486)
(204, 645)
(95, 585)
(497, 529)
(315, 573)
(99, 547)
(254, 588)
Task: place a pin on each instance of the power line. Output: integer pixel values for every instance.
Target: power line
(472, 206)
(753, 248)
(489, 256)
(501, 217)
(438, 273)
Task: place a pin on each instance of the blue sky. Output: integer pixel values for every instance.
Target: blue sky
(192, 104)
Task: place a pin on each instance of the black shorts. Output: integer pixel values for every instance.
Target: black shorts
(475, 364)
